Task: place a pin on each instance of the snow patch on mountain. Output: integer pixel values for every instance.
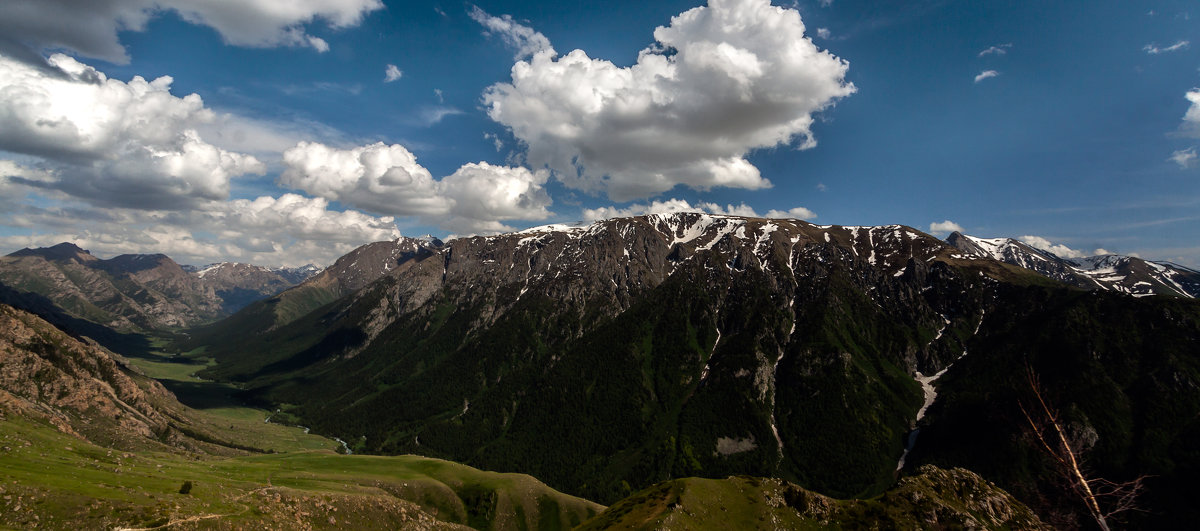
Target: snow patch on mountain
(1110, 272)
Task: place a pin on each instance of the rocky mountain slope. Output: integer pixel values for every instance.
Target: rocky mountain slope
(1123, 274)
(86, 391)
(127, 292)
(50, 375)
(667, 346)
(729, 335)
(78, 423)
(85, 441)
(138, 292)
(348, 274)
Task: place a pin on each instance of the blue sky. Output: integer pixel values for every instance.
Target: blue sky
(1065, 123)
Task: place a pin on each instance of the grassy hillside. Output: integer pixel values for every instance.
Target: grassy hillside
(934, 499)
(58, 481)
(87, 441)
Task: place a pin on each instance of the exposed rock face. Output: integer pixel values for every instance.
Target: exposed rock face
(959, 499)
(607, 265)
(933, 499)
(77, 386)
(368, 263)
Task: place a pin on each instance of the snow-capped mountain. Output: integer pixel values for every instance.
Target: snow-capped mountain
(733, 322)
(296, 275)
(691, 344)
(240, 284)
(1138, 277)
(1125, 274)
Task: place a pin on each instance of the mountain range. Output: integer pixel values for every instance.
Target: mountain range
(668, 346)
(87, 440)
(612, 359)
(140, 292)
(1125, 274)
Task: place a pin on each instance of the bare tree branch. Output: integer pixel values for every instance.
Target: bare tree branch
(1107, 498)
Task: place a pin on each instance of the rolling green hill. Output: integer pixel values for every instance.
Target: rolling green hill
(933, 499)
(56, 481)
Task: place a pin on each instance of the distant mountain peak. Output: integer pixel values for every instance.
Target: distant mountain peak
(60, 252)
(1111, 272)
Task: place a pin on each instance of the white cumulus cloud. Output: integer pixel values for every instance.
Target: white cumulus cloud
(377, 177)
(668, 206)
(1191, 118)
(129, 144)
(986, 74)
(792, 213)
(91, 27)
(287, 230)
(1062, 251)
(386, 179)
(483, 194)
(944, 227)
(720, 81)
(296, 217)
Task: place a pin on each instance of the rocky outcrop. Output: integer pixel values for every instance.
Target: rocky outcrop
(932, 499)
(77, 386)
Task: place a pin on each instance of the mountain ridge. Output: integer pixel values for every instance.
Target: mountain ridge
(599, 272)
(665, 346)
(140, 292)
(1112, 272)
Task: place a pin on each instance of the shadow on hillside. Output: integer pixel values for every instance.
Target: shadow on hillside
(136, 345)
(204, 395)
(198, 395)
